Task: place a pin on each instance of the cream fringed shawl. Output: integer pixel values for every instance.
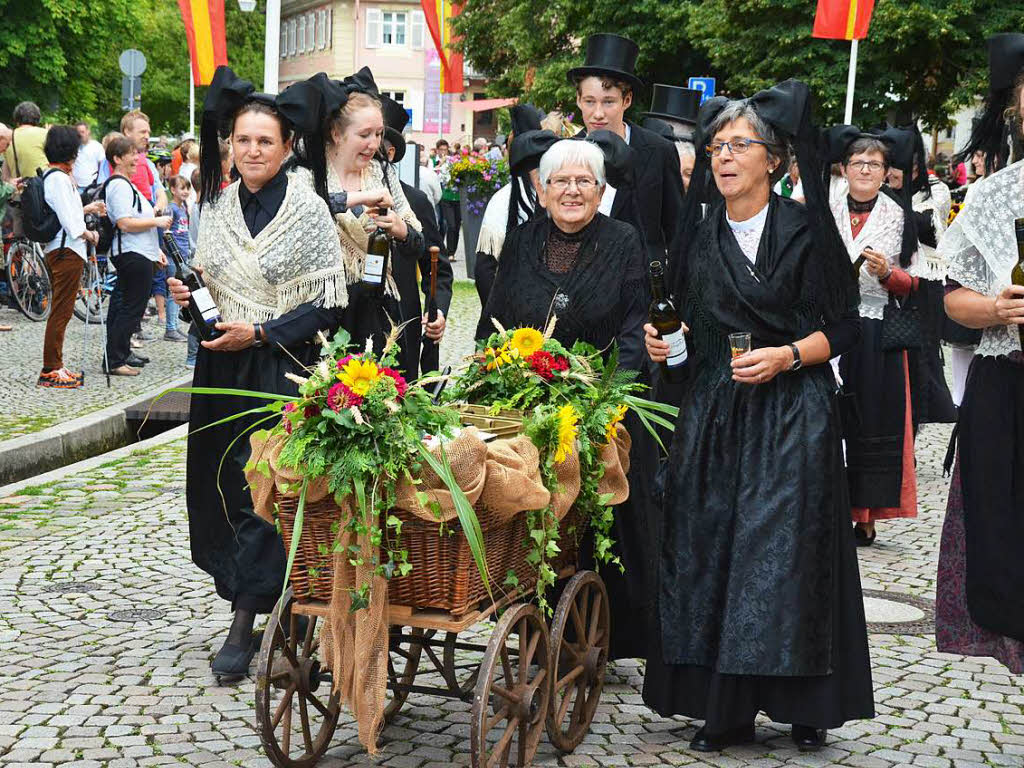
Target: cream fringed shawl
(352, 229)
(294, 260)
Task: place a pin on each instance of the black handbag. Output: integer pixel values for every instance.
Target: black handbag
(901, 326)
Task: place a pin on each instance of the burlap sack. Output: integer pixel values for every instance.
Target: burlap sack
(287, 481)
(467, 457)
(568, 476)
(513, 478)
(615, 457)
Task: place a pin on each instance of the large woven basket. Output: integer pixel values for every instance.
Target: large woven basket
(505, 423)
(444, 575)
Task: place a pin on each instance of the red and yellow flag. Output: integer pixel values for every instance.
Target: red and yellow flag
(843, 19)
(451, 60)
(204, 28)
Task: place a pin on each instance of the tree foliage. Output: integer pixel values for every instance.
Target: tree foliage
(63, 54)
(928, 54)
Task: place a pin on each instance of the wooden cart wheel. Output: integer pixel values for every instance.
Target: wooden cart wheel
(512, 691)
(459, 675)
(580, 634)
(296, 710)
(404, 650)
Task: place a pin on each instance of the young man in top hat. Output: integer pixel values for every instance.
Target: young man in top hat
(415, 357)
(605, 86)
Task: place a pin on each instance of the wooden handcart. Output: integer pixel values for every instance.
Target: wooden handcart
(530, 677)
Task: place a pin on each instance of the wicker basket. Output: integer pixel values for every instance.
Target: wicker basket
(444, 575)
(506, 423)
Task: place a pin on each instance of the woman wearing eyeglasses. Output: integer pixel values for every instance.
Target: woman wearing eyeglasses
(759, 592)
(880, 448)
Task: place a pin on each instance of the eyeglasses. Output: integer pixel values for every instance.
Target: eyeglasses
(736, 146)
(866, 165)
(562, 184)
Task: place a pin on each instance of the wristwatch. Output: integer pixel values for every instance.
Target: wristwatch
(797, 362)
(257, 330)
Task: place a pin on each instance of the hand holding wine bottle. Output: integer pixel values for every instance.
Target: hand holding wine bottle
(189, 291)
(666, 343)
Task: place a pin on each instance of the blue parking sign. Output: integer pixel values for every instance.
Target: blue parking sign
(706, 85)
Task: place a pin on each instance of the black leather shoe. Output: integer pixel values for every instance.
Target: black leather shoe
(861, 537)
(137, 361)
(232, 661)
(808, 739)
(710, 742)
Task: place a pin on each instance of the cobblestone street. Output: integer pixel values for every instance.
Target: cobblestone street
(108, 631)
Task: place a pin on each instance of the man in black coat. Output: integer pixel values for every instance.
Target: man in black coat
(605, 85)
(417, 356)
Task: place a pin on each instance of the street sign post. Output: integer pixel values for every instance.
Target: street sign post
(133, 64)
(706, 85)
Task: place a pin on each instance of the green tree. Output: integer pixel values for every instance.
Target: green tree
(527, 46)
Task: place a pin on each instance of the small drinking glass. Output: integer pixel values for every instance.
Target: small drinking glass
(739, 343)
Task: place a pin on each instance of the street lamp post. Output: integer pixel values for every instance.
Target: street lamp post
(271, 41)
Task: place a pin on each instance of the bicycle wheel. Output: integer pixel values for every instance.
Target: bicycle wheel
(92, 295)
(29, 280)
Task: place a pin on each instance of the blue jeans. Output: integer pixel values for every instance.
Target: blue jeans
(173, 310)
(193, 345)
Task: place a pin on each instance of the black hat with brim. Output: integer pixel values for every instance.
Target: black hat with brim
(395, 120)
(671, 102)
(612, 56)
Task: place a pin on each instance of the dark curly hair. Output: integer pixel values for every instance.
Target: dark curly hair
(62, 144)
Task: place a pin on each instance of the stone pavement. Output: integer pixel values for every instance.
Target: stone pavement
(83, 684)
(26, 408)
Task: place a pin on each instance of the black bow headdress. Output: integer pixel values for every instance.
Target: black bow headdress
(620, 172)
(786, 107)
(524, 154)
(227, 95)
(991, 132)
(525, 117)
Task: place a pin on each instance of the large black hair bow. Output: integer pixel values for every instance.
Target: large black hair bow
(526, 149)
(618, 158)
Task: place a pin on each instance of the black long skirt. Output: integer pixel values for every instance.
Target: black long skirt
(933, 403)
(241, 551)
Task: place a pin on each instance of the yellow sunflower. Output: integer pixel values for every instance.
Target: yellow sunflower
(526, 341)
(495, 358)
(359, 375)
(567, 418)
(610, 428)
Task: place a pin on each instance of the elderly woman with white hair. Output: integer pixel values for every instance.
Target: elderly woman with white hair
(575, 263)
(759, 595)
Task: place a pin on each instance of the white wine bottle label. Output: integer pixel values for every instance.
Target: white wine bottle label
(205, 304)
(676, 348)
(374, 269)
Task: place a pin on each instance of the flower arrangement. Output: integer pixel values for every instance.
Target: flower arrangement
(576, 399)
(477, 177)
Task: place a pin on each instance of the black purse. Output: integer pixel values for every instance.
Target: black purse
(901, 326)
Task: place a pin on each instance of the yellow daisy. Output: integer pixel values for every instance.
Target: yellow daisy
(610, 428)
(567, 418)
(359, 375)
(495, 358)
(526, 341)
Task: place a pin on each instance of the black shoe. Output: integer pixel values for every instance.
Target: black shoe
(137, 361)
(232, 661)
(861, 537)
(708, 742)
(808, 739)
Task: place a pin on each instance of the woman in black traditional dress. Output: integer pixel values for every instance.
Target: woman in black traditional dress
(270, 257)
(590, 271)
(759, 597)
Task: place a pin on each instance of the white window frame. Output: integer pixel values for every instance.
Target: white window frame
(399, 24)
(321, 28)
(373, 28)
(329, 33)
(284, 40)
(401, 97)
(311, 31)
(292, 25)
(300, 45)
(417, 30)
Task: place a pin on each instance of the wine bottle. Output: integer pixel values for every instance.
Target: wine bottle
(201, 307)
(665, 319)
(375, 272)
(1017, 275)
(435, 253)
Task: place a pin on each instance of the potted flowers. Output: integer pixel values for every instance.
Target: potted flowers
(477, 178)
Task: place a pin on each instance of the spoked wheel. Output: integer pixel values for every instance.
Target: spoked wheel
(296, 711)
(405, 646)
(580, 635)
(460, 674)
(512, 691)
(29, 280)
(91, 303)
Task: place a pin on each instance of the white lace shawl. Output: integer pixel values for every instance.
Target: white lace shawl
(294, 260)
(883, 232)
(353, 232)
(981, 249)
(938, 204)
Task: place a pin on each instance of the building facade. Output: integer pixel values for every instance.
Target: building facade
(340, 37)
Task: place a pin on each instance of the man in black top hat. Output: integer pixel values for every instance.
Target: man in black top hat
(404, 271)
(605, 85)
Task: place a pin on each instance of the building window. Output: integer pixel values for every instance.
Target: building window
(291, 37)
(284, 40)
(310, 30)
(416, 28)
(300, 46)
(373, 27)
(321, 29)
(397, 96)
(393, 28)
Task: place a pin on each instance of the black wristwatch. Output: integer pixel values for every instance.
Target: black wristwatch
(797, 362)
(256, 340)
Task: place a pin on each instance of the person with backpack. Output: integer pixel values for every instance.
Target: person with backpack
(62, 211)
(134, 250)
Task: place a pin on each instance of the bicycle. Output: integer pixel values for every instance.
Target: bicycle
(97, 284)
(28, 278)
